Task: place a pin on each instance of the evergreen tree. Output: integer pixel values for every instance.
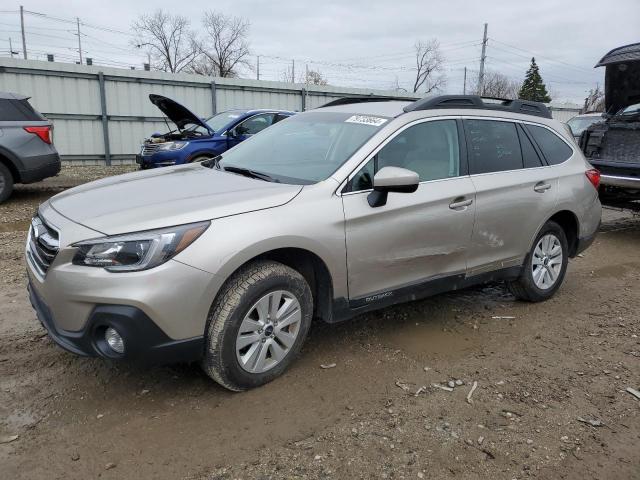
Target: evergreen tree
(533, 88)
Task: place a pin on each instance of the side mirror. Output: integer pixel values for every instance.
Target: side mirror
(392, 179)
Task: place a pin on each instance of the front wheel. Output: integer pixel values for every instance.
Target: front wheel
(257, 325)
(545, 266)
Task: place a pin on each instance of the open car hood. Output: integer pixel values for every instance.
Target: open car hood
(622, 77)
(178, 114)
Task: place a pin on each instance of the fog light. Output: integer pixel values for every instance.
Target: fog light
(114, 340)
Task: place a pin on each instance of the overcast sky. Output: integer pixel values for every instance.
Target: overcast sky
(362, 43)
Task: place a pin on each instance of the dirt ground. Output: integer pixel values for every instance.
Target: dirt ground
(550, 401)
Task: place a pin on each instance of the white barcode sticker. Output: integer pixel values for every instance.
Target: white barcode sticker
(366, 120)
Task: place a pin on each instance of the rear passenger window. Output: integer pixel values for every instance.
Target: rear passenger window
(553, 148)
(530, 157)
(493, 146)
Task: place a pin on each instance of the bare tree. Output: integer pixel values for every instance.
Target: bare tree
(429, 63)
(168, 39)
(287, 75)
(594, 102)
(499, 86)
(315, 77)
(225, 47)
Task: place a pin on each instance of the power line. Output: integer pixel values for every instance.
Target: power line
(540, 56)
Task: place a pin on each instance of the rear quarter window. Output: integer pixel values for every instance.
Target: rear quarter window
(18, 111)
(554, 149)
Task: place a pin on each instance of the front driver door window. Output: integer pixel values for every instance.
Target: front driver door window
(255, 124)
(415, 236)
(430, 149)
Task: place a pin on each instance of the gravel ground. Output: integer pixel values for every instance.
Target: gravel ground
(550, 402)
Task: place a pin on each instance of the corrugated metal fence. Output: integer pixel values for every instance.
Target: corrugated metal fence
(103, 114)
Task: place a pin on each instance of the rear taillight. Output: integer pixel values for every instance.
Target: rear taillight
(43, 132)
(594, 177)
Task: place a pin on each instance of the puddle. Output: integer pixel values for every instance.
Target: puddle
(420, 337)
(17, 226)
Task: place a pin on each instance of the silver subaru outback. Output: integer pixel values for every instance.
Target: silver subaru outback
(328, 214)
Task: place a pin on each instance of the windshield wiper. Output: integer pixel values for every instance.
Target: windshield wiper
(249, 173)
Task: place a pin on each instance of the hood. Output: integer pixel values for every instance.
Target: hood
(178, 114)
(167, 196)
(622, 77)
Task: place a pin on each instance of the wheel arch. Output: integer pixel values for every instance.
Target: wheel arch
(311, 266)
(8, 162)
(570, 224)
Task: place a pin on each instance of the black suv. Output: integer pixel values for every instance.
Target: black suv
(27, 153)
(613, 145)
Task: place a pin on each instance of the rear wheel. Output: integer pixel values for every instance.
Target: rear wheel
(6, 183)
(257, 325)
(545, 266)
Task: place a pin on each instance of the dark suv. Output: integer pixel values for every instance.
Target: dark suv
(27, 153)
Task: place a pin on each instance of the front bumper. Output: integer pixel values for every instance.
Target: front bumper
(144, 341)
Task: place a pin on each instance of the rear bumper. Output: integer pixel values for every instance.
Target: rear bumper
(586, 241)
(43, 166)
(620, 181)
(144, 341)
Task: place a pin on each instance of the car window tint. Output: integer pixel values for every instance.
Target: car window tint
(553, 148)
(493, 146)
(279, 117)
(256, 124)
(17, 110)
(430, 149)
(530, 157)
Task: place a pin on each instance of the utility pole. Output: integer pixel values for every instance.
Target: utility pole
(79, 41)
(258, 68)
(10, 47)
(24, 41)
(306, 76)
(293, 71)
(483, 57)
(464, 89)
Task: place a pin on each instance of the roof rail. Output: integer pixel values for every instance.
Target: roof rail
(364, 99)
(483, 103)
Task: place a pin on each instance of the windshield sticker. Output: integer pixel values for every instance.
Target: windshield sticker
(366, 120)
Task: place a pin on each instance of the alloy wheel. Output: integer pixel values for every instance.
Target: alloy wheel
(268, 331)
(546, 262)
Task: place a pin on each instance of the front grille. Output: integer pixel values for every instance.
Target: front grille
(42, 245)
(150, 148)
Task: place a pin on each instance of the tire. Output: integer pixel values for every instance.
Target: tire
(526, 287)
(236, 306)
(6, 183)
(200, 158)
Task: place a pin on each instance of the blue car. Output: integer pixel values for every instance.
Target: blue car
(195, 139)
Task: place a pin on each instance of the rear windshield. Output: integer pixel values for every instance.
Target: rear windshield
(18, 110)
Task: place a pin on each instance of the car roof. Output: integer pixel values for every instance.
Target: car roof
(12, 96)
(391, 108)
(262, 110)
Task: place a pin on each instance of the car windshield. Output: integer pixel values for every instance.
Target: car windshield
(580, 124)
(631, 109)
(218, 122)
(304, 149)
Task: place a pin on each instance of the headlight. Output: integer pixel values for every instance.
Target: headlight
(172, 146)
(137, 251)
